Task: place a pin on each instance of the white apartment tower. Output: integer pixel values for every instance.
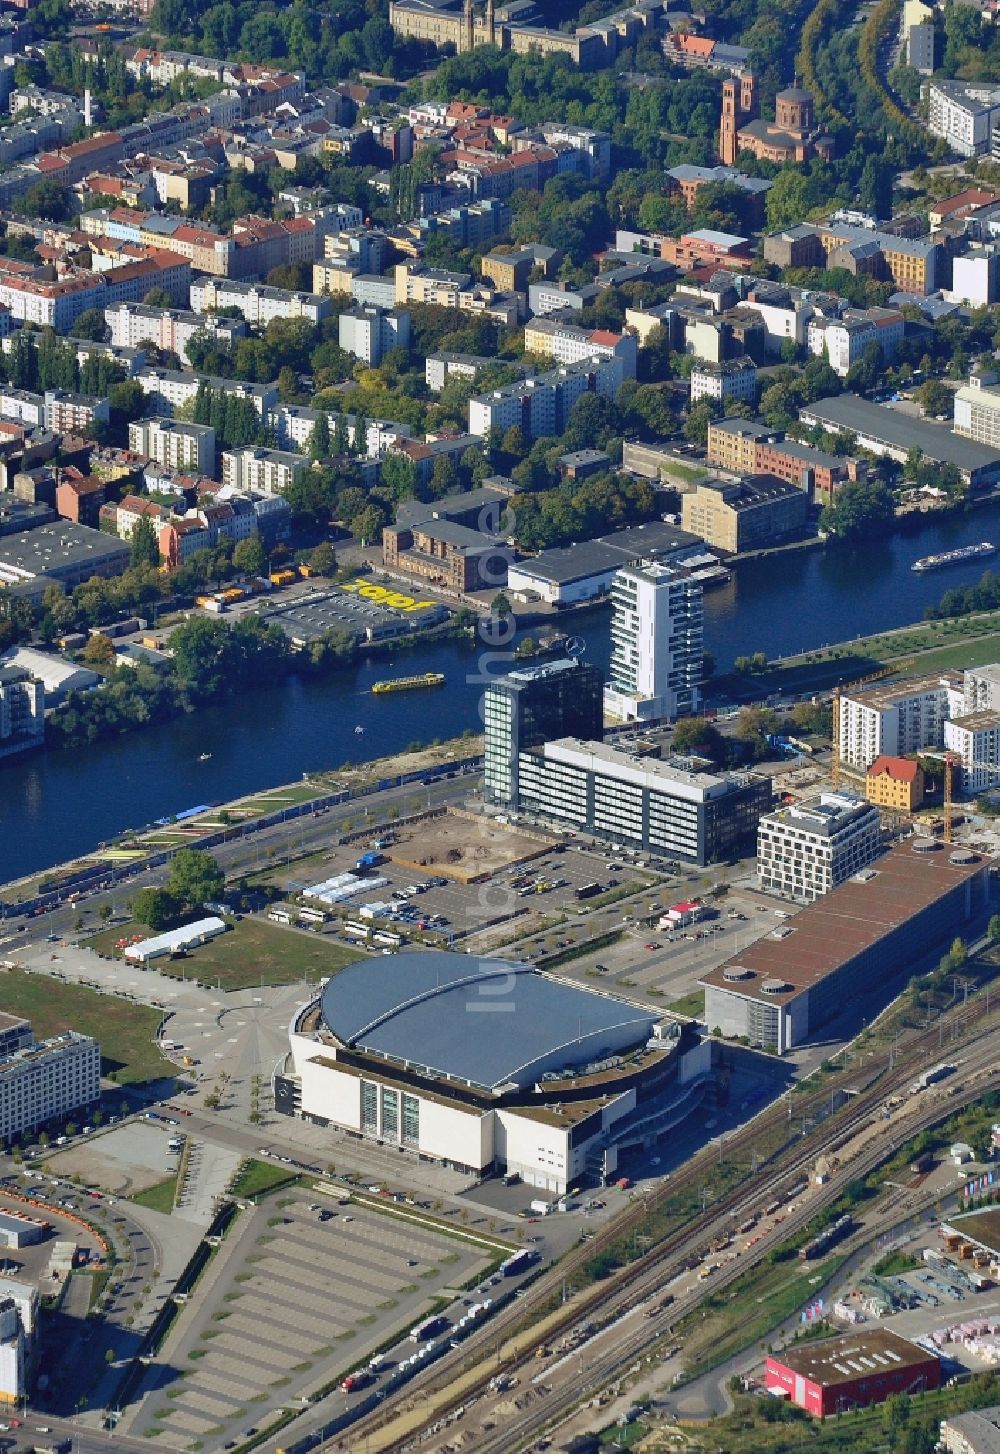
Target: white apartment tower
(656, 644)
(898, 718)
(806, 850)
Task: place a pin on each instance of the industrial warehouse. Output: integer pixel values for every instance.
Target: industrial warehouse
(857, 1369)
(782, 988)
(487, 1066)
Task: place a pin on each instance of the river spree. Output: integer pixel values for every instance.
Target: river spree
(57, 804)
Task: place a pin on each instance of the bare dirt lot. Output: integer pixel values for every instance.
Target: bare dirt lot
(123, 1161)
(464, 847)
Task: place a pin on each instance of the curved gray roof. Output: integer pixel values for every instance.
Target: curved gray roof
(483, 1022)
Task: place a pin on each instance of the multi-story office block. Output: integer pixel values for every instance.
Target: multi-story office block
(532, 706)
(668, 808)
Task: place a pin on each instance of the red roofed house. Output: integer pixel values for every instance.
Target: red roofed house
(895, 782)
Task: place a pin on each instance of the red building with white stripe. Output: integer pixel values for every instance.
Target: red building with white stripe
(852, 1371)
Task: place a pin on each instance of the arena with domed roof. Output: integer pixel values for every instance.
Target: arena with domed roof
(487, 1066)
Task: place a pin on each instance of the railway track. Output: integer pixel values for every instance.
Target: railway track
(866, 1086)
(638, 1343)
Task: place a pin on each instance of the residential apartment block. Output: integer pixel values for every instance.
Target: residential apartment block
(541, 405)
(565, 343)
(41, 1080)
(168, 389)
(896, 783)
(262, 471)
(807, 849)
(133, 324)
(175, 445)
(843, 340)
(964, 114)
(728, 382)
(22, 716)
(258, 304)
(370, 333)
(657, 661)
(897, 718)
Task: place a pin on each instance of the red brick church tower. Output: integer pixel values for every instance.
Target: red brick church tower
(739, 105)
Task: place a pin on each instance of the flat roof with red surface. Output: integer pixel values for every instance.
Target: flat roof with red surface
(850, 919)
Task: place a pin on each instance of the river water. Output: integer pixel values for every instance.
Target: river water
(57, 804)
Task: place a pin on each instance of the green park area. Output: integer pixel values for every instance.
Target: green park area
(256, 1178)
(125, 1030)
(250, 954)
(927, 646)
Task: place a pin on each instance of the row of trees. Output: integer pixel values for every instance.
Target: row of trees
(210, 660)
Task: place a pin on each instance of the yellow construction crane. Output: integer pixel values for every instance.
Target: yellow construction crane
(875, 676)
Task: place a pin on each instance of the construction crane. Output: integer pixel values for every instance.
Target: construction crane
(951, 762)
(875, 676)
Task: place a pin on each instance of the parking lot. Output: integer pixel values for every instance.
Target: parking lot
(661, 966)
(512, 901)
(304, 1301)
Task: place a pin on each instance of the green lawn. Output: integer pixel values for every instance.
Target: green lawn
(257, 1178)
(159, 1197)
(692, 1004)
(253, 952)
(125, 1030)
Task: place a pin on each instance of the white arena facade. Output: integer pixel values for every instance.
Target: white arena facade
(487, 1067)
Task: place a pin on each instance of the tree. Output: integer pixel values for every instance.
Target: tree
(367, 525)
(934, 398)
(500, 606)
(248, 555)
(696, 735)
(99, 651)
(92, 325)
(51, 200)
(156, 907)
(875, 187)
(145, 546)
(993, 929)
(859, 509)
(700, 416)
(195, 877)
(158, 298)
(323, 560)
(399, 476)
(318, 444)
(445, 479)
